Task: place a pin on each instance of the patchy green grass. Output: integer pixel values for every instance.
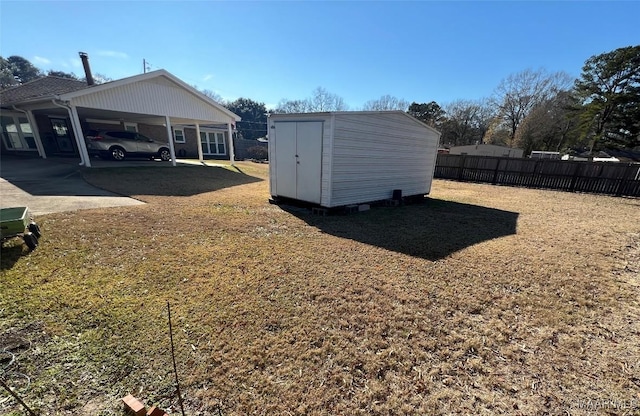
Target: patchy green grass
(482, 300)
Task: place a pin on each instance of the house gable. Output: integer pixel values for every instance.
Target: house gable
(158, 96)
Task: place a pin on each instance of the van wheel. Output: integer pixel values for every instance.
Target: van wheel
(165, 155)
(118, 153)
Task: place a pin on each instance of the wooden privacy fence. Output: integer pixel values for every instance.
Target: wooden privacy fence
(594, 177)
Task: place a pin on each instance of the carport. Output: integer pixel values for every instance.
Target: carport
(51, 115)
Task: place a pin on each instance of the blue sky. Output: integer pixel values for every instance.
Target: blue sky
(419, 51)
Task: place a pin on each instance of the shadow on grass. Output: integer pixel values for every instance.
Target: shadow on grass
(161, 181)
(431, 229)
(10, 254)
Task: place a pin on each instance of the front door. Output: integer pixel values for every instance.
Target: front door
(298, 150)
(62, 135)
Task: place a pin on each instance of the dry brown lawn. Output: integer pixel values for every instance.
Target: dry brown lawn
(481, 300)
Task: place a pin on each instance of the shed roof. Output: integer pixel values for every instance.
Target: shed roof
(329, 113)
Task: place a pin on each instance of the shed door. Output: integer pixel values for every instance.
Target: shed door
(299, 160)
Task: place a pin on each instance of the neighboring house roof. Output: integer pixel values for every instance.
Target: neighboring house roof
(483, 145)
(624, 154)
(40, 88)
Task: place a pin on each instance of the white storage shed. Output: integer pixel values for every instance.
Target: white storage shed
(350, 157)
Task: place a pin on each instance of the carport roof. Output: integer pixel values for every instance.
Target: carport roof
(152, 93)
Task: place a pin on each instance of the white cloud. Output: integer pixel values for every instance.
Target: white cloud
(113, 54)
(39, 60)
(76, 63)
(207, 77)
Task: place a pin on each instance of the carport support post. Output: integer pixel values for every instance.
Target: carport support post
(200, 157)
(232, 153)
(172, 148)
(77, 127)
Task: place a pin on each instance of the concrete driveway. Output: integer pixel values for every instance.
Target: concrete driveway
(50, 185)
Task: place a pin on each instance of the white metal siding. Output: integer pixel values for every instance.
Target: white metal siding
(327, 158)
(152, 97)
(365, 156)
(373, 154)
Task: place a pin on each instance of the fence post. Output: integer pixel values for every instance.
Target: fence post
(495, 172)
(461, 167)
(623, 182)
(533, 179)
(576, 173)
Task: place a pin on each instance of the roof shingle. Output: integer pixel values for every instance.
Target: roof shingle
(40, 88)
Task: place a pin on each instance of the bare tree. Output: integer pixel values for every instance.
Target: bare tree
(386, 102)
(466, 122)
(519, 93)
(323, 100)
(214, 96)
(210, 94)
(550, 125)
(485, 114)
(292, 106)
(99, 78)
(320, 100)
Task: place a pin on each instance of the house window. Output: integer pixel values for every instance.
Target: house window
(213, 143)
(17, 133)
(131, 127)
(178, 135)
(27, 133)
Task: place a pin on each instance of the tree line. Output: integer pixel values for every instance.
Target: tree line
(16, 70)
(530, 109)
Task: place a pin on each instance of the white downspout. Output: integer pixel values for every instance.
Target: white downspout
(198, 140)
(232, 153)
(82, 147)
(34, 129)
(172, 148)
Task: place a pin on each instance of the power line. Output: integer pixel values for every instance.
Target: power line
(146, 66)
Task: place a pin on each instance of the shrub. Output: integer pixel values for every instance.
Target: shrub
(258, 152)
